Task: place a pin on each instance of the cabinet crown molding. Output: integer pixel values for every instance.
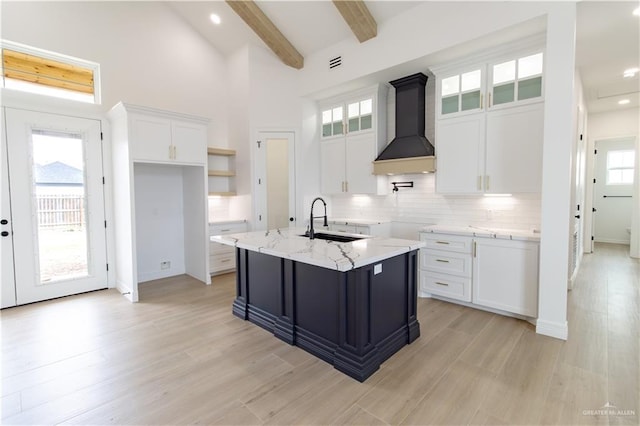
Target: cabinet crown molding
(122, 107)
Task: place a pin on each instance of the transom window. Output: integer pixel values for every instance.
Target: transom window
(28, 69)
(620, 167)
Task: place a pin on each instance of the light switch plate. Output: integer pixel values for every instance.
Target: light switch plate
(377, 269)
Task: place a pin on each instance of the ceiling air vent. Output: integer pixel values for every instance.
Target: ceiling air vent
(335, 62)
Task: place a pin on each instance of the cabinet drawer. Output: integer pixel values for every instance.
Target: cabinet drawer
(447, 242)
(229, 228)
(219, 263)
(446, 262)
(451, 286)
(217, 248)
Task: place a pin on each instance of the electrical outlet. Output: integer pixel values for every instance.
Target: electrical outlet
(165, 265)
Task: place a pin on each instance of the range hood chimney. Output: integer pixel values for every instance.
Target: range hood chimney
(409, 151)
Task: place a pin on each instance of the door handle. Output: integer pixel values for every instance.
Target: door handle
(5, 233)
(291, 219)
(577, 216)
(4, 222)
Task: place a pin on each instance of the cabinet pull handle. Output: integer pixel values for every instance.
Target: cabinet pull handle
(346, 186)
(439, 283)
(481, 101)
(442, 260)
(474, 249)
(225, 230)
(175, 152)
(170, 152)
(225, 260)
(479, 183)
(489, 100)
(442, 242)
(486, 182)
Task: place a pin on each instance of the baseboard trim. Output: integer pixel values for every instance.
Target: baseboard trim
(125, 290)
(553, 329)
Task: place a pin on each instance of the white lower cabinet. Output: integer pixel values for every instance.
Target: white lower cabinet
(222, 258)
(445, 266)
(505, 275)
(493, 273)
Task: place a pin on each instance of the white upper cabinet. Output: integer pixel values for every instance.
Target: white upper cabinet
(490, 125)
(167, 140)
(353, 132)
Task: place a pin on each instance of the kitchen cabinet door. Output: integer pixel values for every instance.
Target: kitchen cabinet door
(333, 164)
(505, 275)
(359, 152)
(460, 148)
(190, 142)
(514, 149)
(151, 138)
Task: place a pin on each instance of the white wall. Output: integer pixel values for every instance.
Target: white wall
(159, 220)
(616, 124)
(428, 28)
(147, 54)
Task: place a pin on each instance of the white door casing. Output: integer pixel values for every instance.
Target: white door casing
(20, 125)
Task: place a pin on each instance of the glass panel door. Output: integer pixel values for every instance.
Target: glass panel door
(60, 196)
(57, 204)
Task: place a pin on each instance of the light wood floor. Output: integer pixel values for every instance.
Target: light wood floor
(180, 357)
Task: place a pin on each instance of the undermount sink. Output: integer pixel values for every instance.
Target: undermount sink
(333, 237)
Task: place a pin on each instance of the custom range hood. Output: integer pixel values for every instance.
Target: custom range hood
(409, 151)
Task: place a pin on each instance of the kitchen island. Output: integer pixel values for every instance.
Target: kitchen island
(351, 304)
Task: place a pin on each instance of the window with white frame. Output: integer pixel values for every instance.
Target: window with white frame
(620, 167)
(28, 69)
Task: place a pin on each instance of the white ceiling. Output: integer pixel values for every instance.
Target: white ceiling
(607, 37)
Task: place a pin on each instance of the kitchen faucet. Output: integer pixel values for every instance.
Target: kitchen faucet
(311, 233)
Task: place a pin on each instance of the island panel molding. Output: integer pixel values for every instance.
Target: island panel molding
(352, 305)
(354, 320)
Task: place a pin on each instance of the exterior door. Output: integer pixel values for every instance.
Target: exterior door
(275, 173)
(613, 190)
(57, 205)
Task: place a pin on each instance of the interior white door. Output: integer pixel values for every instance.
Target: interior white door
(613, 190)
(8, 287)
(276, 179)
(57, 204)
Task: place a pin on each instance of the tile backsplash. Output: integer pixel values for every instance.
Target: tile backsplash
(421, 204)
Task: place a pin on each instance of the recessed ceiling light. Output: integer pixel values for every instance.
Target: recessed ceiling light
(215, 18)
(623, 102)
(636, 11)
(631, 72)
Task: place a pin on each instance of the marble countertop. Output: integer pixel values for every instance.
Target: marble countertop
(507, 234)
(288, 244)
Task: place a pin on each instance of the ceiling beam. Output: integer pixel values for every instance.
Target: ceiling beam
(358, 17)
(255, 18)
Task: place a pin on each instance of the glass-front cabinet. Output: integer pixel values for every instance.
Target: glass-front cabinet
(516, 80)
(490, 121)
(462, 92)
(353, 132)
(509, 81)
